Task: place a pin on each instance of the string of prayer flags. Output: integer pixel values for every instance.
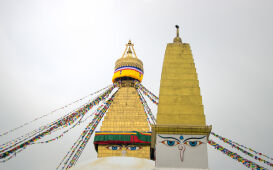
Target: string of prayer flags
(235, 156)
(145, 89)
(73, 155)
(64, 121)
(252, 150)
(93, 127)
(5, 160)
(147, 93)
(55, 110)
(61, 135)
(237, 146)
(10, 148)
(146, 108)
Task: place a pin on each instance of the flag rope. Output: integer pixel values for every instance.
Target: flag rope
(146, 108)
(73, 155)
(12, 147)
(235, 156)
(55, 110)
(239, 147)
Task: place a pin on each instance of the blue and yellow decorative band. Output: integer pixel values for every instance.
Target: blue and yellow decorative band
(128, 71)
(129, 68)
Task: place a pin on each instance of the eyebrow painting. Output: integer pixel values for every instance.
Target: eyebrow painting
(169, 137)
(194, 138)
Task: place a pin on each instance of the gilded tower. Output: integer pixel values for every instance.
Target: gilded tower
(125, 130)
(180, 135)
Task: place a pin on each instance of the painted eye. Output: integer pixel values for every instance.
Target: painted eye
(133, 148)
(170, 142)
(193, 143)
(114, 148)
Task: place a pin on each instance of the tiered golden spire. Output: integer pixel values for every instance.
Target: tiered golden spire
(180, 101)
(180, 109)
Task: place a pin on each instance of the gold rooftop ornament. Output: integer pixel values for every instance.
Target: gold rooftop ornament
(177, 39)
(128, 65)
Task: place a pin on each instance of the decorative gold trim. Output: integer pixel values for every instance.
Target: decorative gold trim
(135, 62)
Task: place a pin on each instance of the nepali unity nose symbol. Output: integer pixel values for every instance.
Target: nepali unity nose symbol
(182, 148)
(123, 152)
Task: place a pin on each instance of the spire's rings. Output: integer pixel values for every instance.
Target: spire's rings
(130, 68)
(128, 65)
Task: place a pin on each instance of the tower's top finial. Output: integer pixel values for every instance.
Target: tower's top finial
(177, 39)
(129, 51)
(177, 30)
(128, 65)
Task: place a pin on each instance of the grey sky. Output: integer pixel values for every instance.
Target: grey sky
(54, 52)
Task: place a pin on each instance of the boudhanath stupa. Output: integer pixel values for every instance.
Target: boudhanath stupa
(179, 138)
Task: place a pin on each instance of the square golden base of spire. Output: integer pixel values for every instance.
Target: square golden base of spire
(179, 129)
(126, 83)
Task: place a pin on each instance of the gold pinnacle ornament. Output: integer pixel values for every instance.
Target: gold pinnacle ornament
(128, 65)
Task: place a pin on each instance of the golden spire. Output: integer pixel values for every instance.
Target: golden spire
(180, 108)
(129, 53)
(177, 39)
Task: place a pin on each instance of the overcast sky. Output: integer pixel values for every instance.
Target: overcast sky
(54, 52)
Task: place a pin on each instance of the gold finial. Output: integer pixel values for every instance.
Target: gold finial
(129, 58)
(177, 39)
(129, 50)
(177, 30)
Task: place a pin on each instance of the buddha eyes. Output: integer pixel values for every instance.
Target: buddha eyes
(193, 143)
(174, 143)
(114, 148)
(132, 148)
(170, 142)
